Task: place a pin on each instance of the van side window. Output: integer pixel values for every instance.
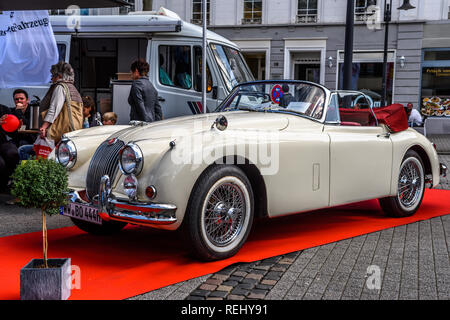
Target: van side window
(61, 51)
(198, 71)
(175, 66)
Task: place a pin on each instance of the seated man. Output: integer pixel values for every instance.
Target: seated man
(287, 96)
(21, 101)
(9, 155)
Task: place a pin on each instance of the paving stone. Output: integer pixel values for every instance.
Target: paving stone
(230, 283)
(220, 276)
(195, 298)
(239, 273)
(208, 287)
(200, 293)
(218, 294)
(214, 281)
(257, 294)
(224, 288)
(235, 297)
(263, 287)
(254, 276)
(235, 278)
(250, 280)
(245, 286)
(240, 292)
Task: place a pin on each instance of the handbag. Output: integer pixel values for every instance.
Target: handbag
(65, 121)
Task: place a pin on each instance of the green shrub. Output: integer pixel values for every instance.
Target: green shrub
(41, 184)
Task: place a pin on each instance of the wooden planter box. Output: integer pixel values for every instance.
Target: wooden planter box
(51, 283)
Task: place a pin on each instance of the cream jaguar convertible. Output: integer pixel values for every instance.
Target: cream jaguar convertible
(272, 148)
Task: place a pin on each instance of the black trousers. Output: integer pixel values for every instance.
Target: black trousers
(9, 159)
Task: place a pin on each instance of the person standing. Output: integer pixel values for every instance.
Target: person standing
(62, 105)
(143, 97)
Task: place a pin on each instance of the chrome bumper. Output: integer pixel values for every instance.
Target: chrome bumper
(125, 210)
(442, 170)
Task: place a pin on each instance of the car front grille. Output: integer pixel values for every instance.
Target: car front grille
(104, 161)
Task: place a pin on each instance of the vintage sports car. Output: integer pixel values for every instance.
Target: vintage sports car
(272, 148)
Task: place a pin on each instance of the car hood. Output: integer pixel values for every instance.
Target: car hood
(182, 126)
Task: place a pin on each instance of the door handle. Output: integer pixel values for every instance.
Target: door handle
(161, 99)
(384, 135)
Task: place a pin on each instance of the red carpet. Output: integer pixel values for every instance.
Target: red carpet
(139, 259)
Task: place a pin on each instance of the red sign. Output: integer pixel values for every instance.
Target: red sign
(276, 93)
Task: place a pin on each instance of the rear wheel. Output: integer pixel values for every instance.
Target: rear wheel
(106, 228)
(410, 190)
(220, 213)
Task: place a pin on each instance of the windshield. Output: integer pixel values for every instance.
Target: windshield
(231, 65)
(297, 97)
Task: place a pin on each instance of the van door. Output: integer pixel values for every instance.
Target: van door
(176, 74)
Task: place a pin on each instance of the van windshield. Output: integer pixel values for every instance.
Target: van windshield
(231, 65)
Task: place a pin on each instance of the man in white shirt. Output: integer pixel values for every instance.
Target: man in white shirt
(414, 117)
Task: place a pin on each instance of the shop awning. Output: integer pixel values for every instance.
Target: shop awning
(60, 4)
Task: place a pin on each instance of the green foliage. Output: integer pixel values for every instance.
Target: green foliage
(42, 184)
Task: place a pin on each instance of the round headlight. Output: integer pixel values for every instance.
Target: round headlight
(131, 159)
(66, 153)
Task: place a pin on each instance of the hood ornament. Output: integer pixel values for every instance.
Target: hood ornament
(112, 141)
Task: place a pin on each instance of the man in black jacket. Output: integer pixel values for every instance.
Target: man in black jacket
(143, 97)
(9, 156)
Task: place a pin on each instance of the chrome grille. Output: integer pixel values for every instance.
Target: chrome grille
(104, 161)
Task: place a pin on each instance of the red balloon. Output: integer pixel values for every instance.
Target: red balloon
(11, 123)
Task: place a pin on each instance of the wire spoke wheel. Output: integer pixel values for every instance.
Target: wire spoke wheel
(410, 183)
(224, 213)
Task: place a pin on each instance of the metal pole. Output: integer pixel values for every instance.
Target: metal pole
(387, 19)
(348, 50)
(204, 82)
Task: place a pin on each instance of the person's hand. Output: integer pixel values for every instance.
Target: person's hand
(20, 106)
(3, 118)
(43, 132)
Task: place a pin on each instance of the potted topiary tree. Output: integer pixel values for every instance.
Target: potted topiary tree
(43, 184)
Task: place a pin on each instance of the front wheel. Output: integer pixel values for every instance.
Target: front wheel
(410, 190)
(220, 213)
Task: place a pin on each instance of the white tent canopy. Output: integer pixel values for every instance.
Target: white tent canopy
(59, 4)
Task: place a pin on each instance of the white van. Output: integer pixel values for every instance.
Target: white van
(102, 48)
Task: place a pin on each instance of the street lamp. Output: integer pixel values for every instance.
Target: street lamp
(387, 18)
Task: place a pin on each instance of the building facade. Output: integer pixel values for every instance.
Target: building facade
(304, 39)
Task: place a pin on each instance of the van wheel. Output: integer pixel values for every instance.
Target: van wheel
(410, 190)
(220, 213)
(106, 228)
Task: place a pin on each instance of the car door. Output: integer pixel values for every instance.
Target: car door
(360, 161)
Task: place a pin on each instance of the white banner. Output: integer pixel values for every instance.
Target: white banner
(27, 48)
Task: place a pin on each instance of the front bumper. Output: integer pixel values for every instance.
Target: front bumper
(125, 210)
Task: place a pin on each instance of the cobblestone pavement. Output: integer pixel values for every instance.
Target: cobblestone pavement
(412, 262)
